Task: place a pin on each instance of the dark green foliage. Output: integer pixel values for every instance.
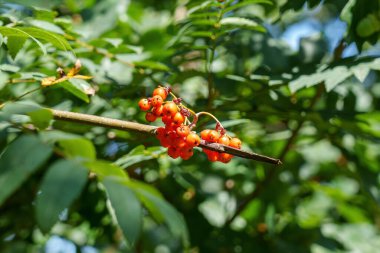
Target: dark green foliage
(314, 105)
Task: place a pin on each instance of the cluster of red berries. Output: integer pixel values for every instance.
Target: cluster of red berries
(177, 135)
(215, 136)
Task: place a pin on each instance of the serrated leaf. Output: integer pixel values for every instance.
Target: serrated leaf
(237, 22)
(60, 186)
(152, 65)
(126, 207)
(361, 71)
(78, 92)
(47, 26)
(9, 68)
(163, 212)
(55, 39)
(245, 3)
(41, 118)
(16, 32)
(335, 76)
(139, 154)
(78, 148)
(368, 25)
(205, 34)
(35, 34)
(346, 14)
(305, 81)
(19, 160)
(104, 169)
(203, 6)
(14, 45)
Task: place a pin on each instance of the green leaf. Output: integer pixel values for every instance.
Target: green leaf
(162, 211)
(245, 3)
(139, 154)
(78, 147)
(4, 77)
(236, 22)
(126, 207)
(104, 169)
(152, 65)
(60, 186)
(75, 90)
(19, 160)
(336, 76)
(41, 118)
(16, 32)
(56, 40)
(35, 34)
(346, 14)
(9, 68)
(47, 26)
(368, 25)
(15, 44)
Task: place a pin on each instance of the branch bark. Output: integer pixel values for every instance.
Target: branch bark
(148, 129)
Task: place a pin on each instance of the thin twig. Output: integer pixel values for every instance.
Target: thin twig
(148, 129)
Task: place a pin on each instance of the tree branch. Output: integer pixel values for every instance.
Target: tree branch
(148, 129)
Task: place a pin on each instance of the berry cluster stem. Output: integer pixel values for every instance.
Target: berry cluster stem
(196, 116)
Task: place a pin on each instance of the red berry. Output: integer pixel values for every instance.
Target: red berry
(178, 118)
(162, 92)
(186, 153)
(166, 119)
(158, 111)
(170, 109)
(160, 132)
(224, 157)
(193, 139)
(183, 131)
(144, 104)
(235, 143)
(212, 156)
(173, 152)
(157, 101)
(180, 143)
(150, 117)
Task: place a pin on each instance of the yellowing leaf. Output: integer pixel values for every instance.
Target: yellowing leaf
(48, 81)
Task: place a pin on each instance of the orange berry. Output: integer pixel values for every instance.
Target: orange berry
(224, 157)
(235, 143)
(170, 109)
(157, 101)
(224, 140)
(213, 136)
(144, 104)
(150, 117)
(193, 139)
(158, 110)
(160, 92)
(205, 133)
(180, 143)
(183, 131)
(186, 153)
(178, 118)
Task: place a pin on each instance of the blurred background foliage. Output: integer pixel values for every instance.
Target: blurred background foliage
(297, 80)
